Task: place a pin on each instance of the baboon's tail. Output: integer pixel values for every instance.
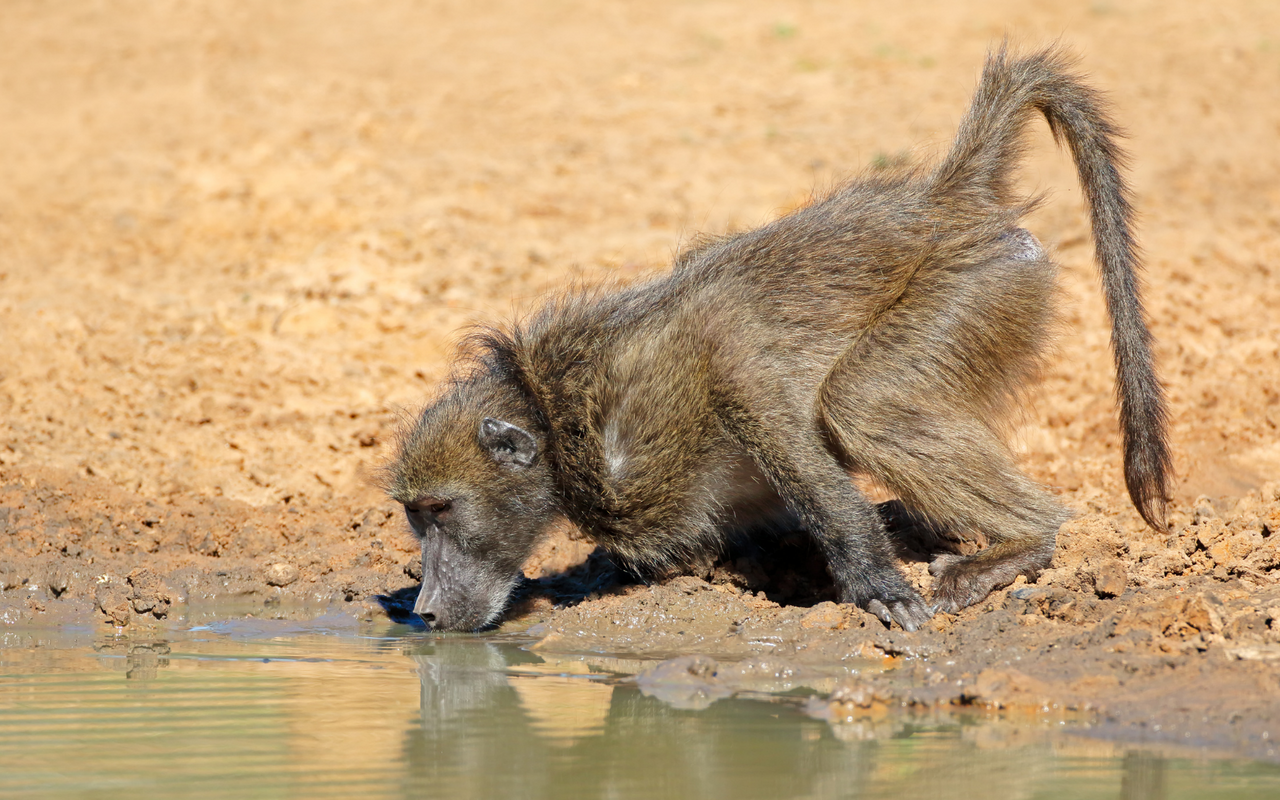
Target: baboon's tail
(977, 169)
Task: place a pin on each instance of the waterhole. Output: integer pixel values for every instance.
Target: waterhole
(334, 706)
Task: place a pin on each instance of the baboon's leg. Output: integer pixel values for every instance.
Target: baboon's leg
(791, 455)
(911, 533)
(958, 474)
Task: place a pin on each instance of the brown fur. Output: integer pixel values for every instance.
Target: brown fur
(883, 330)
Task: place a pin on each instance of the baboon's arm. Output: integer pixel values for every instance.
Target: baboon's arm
(790, 453)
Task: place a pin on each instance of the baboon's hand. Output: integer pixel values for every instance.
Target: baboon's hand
(908, 610)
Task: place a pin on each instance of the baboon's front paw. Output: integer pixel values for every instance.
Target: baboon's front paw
(909, 611)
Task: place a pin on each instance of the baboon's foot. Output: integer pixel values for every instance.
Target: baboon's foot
(901, 604)
(965, 580)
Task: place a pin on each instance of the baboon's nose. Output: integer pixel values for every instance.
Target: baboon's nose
(428, 607)
(432, 616)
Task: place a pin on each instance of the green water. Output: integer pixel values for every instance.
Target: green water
(333, 707)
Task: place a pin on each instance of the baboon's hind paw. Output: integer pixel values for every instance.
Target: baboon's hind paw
(951, 596)
(965, 580)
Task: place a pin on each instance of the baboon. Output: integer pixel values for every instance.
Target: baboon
(884, 330)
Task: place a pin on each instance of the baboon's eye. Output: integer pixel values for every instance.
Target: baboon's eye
(428, 513)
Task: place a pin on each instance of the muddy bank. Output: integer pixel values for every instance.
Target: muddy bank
(1193, 665)
(72, 544)
(80, 541)
(1169, 639)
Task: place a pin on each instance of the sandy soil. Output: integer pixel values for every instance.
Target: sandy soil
(238, 243)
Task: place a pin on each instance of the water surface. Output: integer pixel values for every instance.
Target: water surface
(336, 707)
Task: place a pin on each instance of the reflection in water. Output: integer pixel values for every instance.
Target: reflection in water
(546, 733)
(278, 710)
(141, 660)
(563, 710)
(1143, 777)
(543, 734)
(499, 721)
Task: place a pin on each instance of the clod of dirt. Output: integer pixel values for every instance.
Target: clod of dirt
(142, 593)
(112, 599)
(149, 593)
(684, 682)
(281, 574)
(1110, 580)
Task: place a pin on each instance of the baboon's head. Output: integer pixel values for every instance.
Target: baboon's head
(477, 491)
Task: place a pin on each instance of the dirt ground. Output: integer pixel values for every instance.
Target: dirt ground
(238, 242)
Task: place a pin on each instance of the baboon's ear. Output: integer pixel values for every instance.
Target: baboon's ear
(510, 446)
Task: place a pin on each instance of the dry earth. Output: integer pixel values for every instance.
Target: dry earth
(238, 242)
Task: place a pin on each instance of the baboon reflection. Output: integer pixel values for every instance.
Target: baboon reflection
(480, 737)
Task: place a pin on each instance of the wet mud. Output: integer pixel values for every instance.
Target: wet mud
(237, 247)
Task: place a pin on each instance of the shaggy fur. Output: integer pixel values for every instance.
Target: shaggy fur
(884, 330)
